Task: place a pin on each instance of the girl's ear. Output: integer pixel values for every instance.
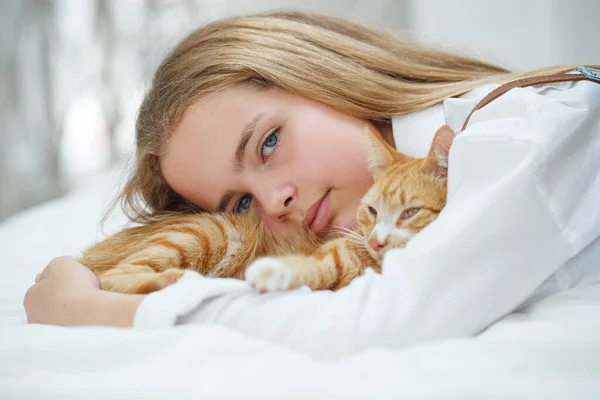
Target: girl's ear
(382, 154)
(437, 159)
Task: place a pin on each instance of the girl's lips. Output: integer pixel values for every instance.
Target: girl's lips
(322, 212)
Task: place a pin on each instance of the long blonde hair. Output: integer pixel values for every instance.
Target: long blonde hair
(367, 73)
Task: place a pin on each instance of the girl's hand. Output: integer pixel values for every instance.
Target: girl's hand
(62, 293)
(67, 293)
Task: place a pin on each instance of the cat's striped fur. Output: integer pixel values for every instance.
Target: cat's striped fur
(146, 258)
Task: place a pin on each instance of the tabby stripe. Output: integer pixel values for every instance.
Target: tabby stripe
(219, 252)
(204, 262)
(394, 188)
(338, 265)
(186, 229)
(156, 267)
(320, 255)
(170, 245)
(192, 233)
(221, 229)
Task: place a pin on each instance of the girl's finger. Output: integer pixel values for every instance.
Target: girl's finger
(39, 277)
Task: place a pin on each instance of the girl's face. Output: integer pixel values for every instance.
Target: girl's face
(292, 161)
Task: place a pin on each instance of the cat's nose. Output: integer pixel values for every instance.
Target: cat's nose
(377, 245)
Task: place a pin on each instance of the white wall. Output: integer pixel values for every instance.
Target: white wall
(518, 34)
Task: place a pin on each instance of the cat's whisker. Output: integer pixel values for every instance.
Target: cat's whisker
(334, 227)
(333, 230)
(339, 229)
(352, 236)
(355, 237)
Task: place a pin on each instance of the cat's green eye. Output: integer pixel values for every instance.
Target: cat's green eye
(409, 213)
(372, 210)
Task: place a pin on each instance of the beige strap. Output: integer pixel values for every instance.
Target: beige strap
(531, 81)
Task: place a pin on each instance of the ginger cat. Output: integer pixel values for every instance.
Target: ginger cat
(406, 196)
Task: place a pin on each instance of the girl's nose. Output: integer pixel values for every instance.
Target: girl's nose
(278, 204)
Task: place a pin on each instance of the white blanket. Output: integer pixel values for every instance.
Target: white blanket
(551, 349)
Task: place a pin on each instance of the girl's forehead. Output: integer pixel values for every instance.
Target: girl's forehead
(216, 113)
(199, 152)
(231, 99)
(238, 96)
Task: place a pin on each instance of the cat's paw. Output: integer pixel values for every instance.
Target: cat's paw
(160, 280)
(170, 276)
(268, 274)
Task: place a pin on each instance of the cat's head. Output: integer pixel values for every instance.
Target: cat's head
(407, 194)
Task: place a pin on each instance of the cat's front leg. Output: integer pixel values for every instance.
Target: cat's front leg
(136, 279)
(332, 266)
(270, 274)
(327, 268)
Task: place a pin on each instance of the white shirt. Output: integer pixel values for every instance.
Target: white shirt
(522, 221)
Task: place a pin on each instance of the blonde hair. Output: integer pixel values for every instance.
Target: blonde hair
(367, 73)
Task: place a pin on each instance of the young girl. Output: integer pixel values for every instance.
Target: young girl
(265, 114)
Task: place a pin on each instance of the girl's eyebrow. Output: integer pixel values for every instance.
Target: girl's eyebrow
(239, 156)
(225, 201)
(240, 151)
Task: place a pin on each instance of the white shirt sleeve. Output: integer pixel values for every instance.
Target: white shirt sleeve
(523, 198)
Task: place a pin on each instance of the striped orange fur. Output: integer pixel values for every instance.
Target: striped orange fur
(146, 258)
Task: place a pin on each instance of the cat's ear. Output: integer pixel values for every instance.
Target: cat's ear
(437, 159)
(382, 154)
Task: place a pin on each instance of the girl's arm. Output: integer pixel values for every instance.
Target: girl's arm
(67, 293)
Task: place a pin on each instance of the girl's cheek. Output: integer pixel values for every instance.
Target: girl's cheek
(283, 230)
(271, 225)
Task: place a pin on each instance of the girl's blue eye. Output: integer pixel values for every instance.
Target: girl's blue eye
(243, 205)
(270, 143)
(267, 148)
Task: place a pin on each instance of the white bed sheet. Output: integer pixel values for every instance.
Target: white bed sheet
(550, 349)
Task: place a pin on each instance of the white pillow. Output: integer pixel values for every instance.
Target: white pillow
(65, 226)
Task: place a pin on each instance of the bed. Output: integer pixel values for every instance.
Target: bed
(549, 349)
